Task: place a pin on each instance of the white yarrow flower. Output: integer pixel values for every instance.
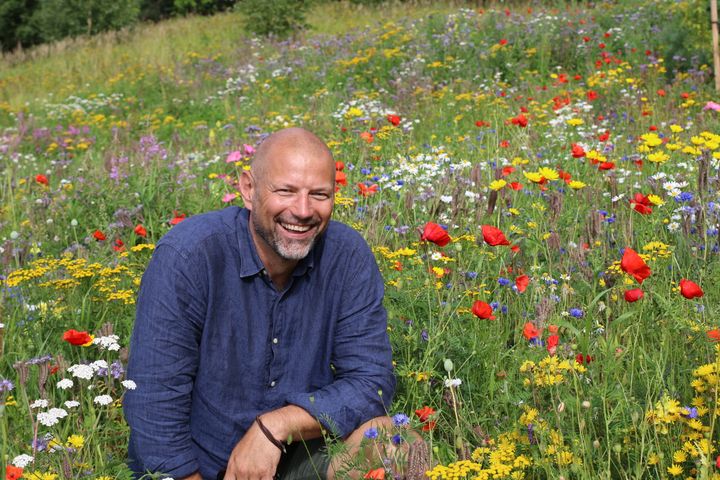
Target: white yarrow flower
(129, 384)
(64, 384)
(103, 400)
(99, 364)
(109, 342)
(51, 417)
(41, 403)
(453, 382)
(72, 404)
(81, 371)
(22, 461)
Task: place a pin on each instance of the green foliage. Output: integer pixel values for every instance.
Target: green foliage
(57, 19)
(686, 40)
(280, 18)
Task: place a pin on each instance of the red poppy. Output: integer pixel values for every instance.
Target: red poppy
(99, 236)
(632, 264)
(366, 191)
(77, 338)
(606, 166)
(178, 217)
(12, 472)
(690, 289)
(436, 234)
(516, 186)
(394, 119)
(520, 120)
(552, 342)
(367, 136)
(494, 236)
(340, 177)
(605, 136)
(377, 474)
(522, 282)
(41, 179)
(530, 331)
(641, 204)
(424, 413)
(339, 166)
(714, 335)
(428, 426)
(119, 245)
(583, 359)
(507, 171)
(505, 144)
(482, 310)
(633, 295)
(577, 150)
(503, 41)
(140, 230)
(661, 92)
(592, 95)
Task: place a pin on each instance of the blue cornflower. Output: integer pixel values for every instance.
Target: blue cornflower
(471, 275)
(371, 433)
(365, 171)
(692, 412)
(397, 439)
(400, 420)
(504, 281)
(684, 197)
(576, 312)
(6, 385)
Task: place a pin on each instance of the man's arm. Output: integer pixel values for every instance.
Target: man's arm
(364, 381)
(255, 456)
(163, 361)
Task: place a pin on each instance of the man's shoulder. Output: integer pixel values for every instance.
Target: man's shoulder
(196, 230)
(341, 235)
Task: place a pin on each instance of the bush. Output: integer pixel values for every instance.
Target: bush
(280, 17)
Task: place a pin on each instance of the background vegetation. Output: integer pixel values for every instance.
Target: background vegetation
(579, 131)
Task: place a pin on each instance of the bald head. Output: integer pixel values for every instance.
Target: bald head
(295, 140)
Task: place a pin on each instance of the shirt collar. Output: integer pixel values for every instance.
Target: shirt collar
(250, 263)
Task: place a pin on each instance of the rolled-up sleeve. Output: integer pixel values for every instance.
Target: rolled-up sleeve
(364, 382)
(164, 351)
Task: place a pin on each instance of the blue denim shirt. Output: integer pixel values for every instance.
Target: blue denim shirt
(215, 344)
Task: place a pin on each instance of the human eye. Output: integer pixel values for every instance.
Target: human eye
(320, 195)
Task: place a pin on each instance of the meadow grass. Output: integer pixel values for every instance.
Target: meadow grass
(520, 352)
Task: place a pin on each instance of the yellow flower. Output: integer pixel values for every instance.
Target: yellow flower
(534, 177)
(549, 173)
(76, 441)
(675, 470)
(679, 456)
(497, 184)
(574, 122)
(658, 157)
(655, 199)
(653, 459)
(576, 184)
(676, 128)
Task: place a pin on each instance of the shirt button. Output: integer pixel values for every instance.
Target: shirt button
(275, 340)
(272, 384)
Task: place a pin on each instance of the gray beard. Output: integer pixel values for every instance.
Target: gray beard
(285, 250)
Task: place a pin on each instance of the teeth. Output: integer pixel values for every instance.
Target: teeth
(296, 228)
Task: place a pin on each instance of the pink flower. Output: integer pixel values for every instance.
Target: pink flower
(234, 156)
(248, 149)
(712, 106)
(229, 197)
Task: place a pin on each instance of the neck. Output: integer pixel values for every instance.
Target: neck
(278, 268)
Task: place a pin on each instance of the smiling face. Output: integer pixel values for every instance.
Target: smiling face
(290, 195)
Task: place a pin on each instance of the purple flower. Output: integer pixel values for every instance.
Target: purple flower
(400, 420)
(371, 433)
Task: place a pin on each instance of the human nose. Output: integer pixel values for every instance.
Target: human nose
(302, 207)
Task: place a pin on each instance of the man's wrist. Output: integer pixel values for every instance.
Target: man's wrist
(269, 435)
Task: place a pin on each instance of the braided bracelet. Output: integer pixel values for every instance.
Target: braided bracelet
(270, 436)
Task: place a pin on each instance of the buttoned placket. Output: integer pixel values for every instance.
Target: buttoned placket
(277, 323)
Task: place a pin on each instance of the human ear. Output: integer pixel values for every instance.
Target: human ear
(247, 186)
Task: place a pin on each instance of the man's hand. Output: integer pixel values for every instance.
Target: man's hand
(253, 458)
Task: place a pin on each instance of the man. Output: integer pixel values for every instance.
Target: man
(259, 326)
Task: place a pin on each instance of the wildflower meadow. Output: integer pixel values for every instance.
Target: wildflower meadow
(539, 181)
